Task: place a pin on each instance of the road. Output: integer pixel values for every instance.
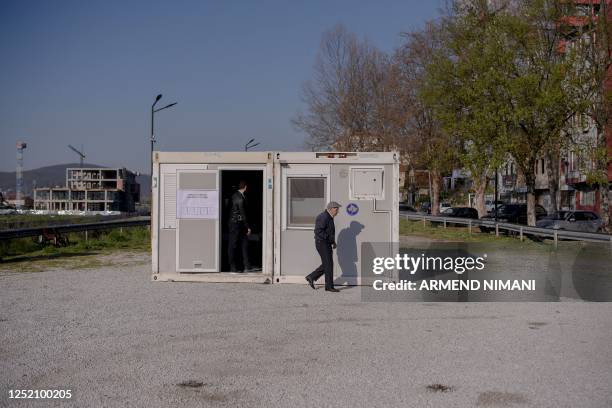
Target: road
(117, 339)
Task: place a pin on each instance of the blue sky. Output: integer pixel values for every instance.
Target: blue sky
(86, 72)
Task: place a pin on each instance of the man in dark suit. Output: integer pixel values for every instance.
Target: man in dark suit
(325, 242)
(239, 229)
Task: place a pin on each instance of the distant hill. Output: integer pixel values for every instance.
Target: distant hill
(55, 176)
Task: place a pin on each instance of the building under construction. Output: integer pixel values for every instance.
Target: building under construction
(91, 189)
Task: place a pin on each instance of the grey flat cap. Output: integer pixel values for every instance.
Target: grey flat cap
(333, 204)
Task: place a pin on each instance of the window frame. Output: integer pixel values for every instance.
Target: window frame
(291, 225)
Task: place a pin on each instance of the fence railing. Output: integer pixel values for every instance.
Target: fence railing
(32, 219)
(522, 230)
(66, 228)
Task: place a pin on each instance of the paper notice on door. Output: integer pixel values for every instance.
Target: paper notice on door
(197, 204)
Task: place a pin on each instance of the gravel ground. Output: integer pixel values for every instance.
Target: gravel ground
(117, 339)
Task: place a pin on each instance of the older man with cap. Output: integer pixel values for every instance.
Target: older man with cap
(325, 242)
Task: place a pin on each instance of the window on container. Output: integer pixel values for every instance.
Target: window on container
(307, 198)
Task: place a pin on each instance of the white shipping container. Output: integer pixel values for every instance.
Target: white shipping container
(286, 191)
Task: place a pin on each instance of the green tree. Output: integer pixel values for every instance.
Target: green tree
(539, 80)
(465, 87)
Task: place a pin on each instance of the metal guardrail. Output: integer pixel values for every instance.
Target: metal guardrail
(102, 225)
(11, 222)
(522, 230)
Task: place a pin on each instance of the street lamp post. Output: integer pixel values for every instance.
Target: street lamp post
(248, 145)
(153, 111)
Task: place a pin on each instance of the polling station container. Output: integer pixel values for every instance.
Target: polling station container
(191, 198)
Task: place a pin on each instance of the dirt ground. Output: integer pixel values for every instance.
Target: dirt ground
(115, 338)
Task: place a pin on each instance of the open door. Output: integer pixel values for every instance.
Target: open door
(197, 216)
(229, 178)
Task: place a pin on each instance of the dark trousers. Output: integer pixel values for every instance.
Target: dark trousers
(238, 238)
(327, 264)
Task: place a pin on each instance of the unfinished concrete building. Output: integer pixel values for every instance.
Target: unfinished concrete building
(91, 189)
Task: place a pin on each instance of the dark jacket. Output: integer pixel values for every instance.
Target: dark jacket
(238, 209)
(325, 230)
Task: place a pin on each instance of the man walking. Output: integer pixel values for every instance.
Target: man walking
(239, 229)
(325, 242)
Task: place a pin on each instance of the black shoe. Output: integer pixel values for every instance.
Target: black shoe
(310, 282)
(331, 290)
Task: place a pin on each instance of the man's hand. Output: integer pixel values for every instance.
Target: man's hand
(248, 231)
(334, 245)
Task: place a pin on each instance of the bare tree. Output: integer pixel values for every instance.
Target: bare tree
(430, 146)
(348, 100)
(351, 101)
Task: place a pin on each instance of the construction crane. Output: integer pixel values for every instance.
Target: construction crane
(81, 154)
(19, 173)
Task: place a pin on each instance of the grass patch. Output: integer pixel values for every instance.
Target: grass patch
(28, 254)
(15, 221)
(459, 233)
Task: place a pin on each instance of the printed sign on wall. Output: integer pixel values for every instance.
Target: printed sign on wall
(197, 204)
(352, 209)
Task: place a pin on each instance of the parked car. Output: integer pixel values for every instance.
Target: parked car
(584, 221)
(514, 214)
(404, 207)
(490, 205)
(460, 212)
(444, 205)
(425, 208)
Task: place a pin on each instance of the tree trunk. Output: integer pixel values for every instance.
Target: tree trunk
(479, 199)
(552, 172)
(603, 186)
(531, 198)
(604, 203)
(435, 192)
(531, 217)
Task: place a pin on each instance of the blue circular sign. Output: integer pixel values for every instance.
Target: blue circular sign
(352, 209)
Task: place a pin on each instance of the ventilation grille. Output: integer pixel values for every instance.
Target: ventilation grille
(169, 200)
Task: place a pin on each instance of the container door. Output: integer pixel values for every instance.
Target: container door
(197, 216)
(305, 191)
